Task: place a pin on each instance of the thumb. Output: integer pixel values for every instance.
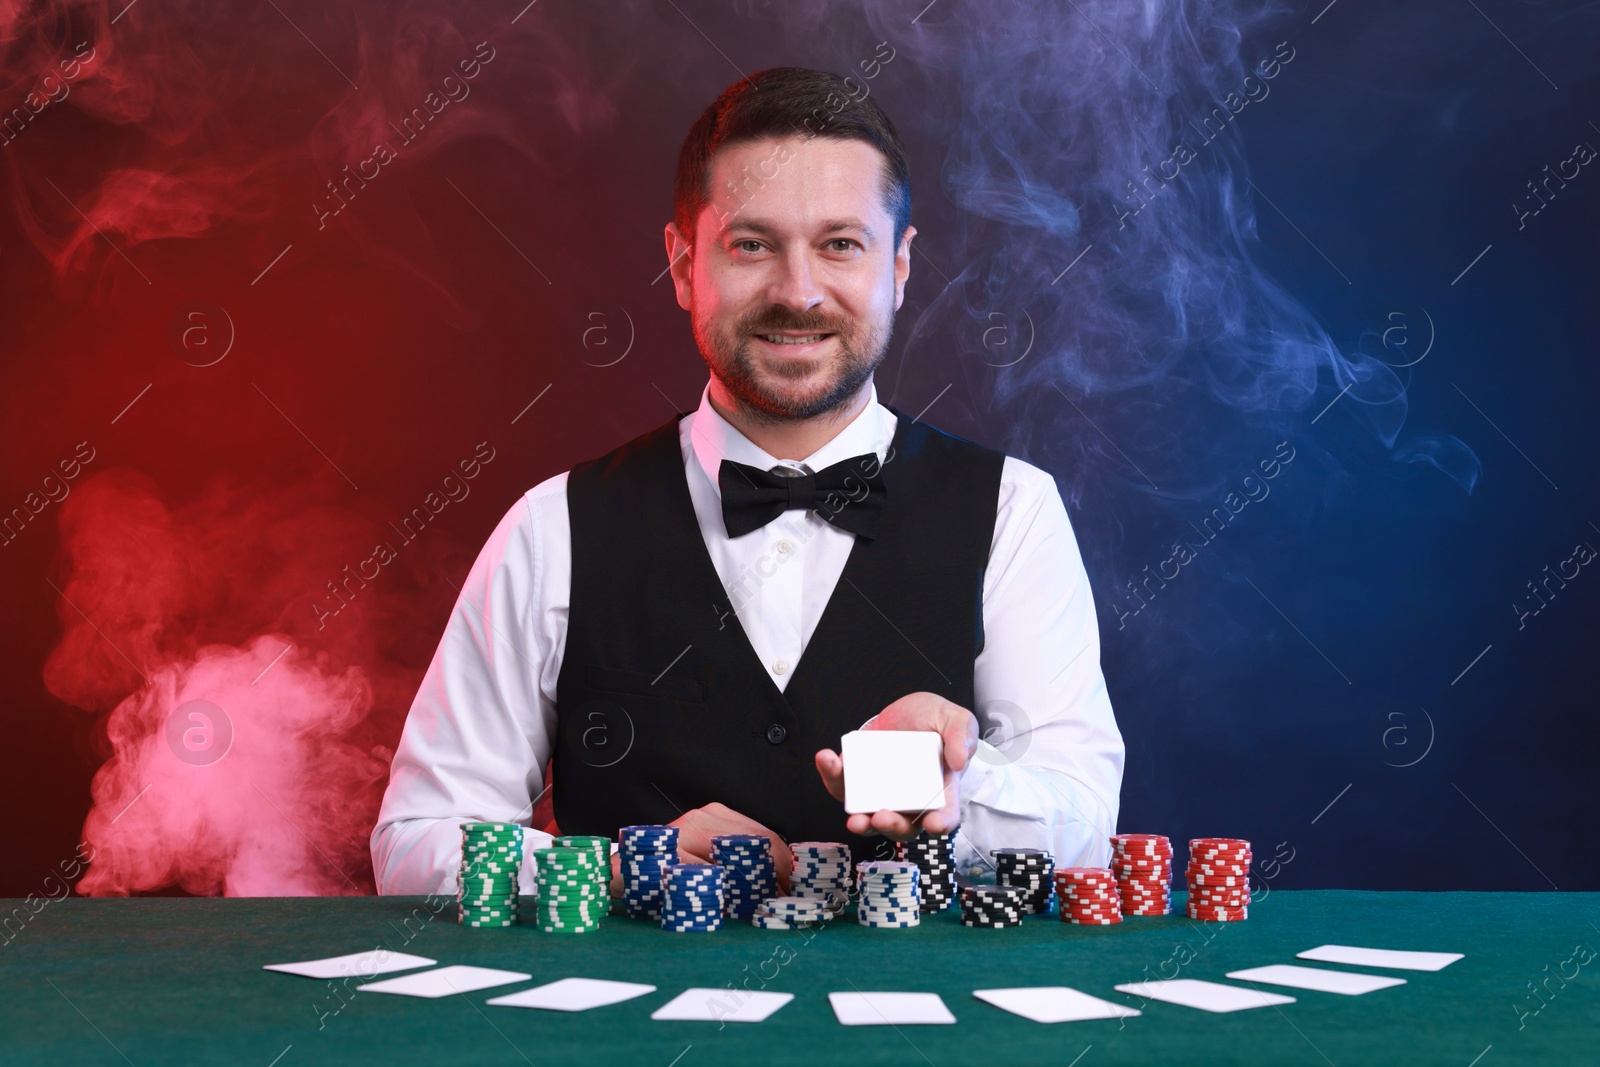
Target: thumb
(831, 768)
(960, 735)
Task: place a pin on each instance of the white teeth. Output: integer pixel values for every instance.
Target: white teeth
(778, 340)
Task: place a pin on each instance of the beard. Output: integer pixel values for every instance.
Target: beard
(729, 354)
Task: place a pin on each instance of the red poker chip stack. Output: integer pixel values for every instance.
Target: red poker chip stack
(1143, 866)
(1219, 879)
(1088, 896)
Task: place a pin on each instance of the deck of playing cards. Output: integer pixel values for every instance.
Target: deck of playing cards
(892, 770)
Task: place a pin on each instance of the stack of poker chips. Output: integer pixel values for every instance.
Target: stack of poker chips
(993, 906)
(934, 857)
(788, 913)
(572, 896)
(486, 890)
(1219, 879)
(822, 871)
(1030, 870)
(646, 853)
(749, 876)
(600, 849)
(890, 896)
(1088, 896)
(692, 898)
(1143, 866)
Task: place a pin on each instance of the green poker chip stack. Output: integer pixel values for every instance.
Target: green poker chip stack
(600, 848)
(486, 893)
(572, 897)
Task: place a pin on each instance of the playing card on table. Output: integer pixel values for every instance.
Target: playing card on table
(1381, 957)
(445, 981)
(889, 1009)
(362, 964)
(721, 1005)
(1207, 996)
(574, 994)
(1317, 978)
(1053, 1004)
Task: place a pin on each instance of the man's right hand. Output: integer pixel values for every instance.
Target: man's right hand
(697, 827)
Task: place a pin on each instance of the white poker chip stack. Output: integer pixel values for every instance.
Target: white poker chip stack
(890, 894)
(789, 913)
(822, 872)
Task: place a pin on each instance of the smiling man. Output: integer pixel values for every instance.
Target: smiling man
(683, 628)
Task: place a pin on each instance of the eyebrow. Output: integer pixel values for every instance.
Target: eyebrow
(828, 226)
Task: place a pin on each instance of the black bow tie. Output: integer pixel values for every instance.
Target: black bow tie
(849, 494)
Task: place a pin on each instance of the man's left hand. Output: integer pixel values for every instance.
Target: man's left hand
(914, 711)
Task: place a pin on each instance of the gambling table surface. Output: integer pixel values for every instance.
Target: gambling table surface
(180, 981)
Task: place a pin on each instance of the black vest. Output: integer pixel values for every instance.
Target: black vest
(662, 702)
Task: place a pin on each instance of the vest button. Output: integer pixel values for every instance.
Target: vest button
(776, 734)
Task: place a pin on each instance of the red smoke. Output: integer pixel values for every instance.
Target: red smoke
(167, 156)
(210, 601)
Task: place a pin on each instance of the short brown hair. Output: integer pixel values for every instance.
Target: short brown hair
(780, 102)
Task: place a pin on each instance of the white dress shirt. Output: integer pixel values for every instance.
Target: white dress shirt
(1047, 772)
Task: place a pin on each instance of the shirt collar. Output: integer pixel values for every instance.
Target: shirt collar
(715, 439)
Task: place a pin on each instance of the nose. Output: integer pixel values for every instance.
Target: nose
(793, 284)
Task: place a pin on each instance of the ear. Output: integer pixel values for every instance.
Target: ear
(680, 263)
(902, 266)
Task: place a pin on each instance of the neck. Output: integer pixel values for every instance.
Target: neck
(790, 439)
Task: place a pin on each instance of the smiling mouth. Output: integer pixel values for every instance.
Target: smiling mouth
(785, 339)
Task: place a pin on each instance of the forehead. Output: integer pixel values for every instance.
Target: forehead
(795, 184)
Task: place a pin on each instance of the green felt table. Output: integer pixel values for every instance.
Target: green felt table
(179, 981)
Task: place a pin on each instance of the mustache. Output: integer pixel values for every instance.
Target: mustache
(769, 326)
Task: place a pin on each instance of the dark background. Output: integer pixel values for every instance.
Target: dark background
(1341, 670)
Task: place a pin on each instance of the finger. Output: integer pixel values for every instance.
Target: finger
(943, 820)
(960, 735)
(893, 824)
(860, 825)
(940, 822)
(732, 822)
(783, 863)
(831, 768)
(694, 848)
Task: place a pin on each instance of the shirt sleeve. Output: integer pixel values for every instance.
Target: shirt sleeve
(1048, 769)
(480, 730)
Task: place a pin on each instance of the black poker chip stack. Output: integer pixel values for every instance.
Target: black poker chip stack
(933, 855)
(1031, 870)
(993, 906)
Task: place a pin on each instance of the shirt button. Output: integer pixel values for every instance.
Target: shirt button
(776, 734)
(780, 666)
(784, 548)
(975, 872)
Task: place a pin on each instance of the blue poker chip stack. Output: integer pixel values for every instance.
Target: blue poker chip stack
(646, 853)
(692, 898)
(749, 875)
(890, 894)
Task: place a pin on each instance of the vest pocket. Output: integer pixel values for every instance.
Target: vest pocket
(643, 683)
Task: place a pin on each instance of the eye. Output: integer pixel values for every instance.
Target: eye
(739, 245)
(844, 241)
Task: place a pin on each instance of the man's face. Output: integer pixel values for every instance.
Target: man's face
(801, 247)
